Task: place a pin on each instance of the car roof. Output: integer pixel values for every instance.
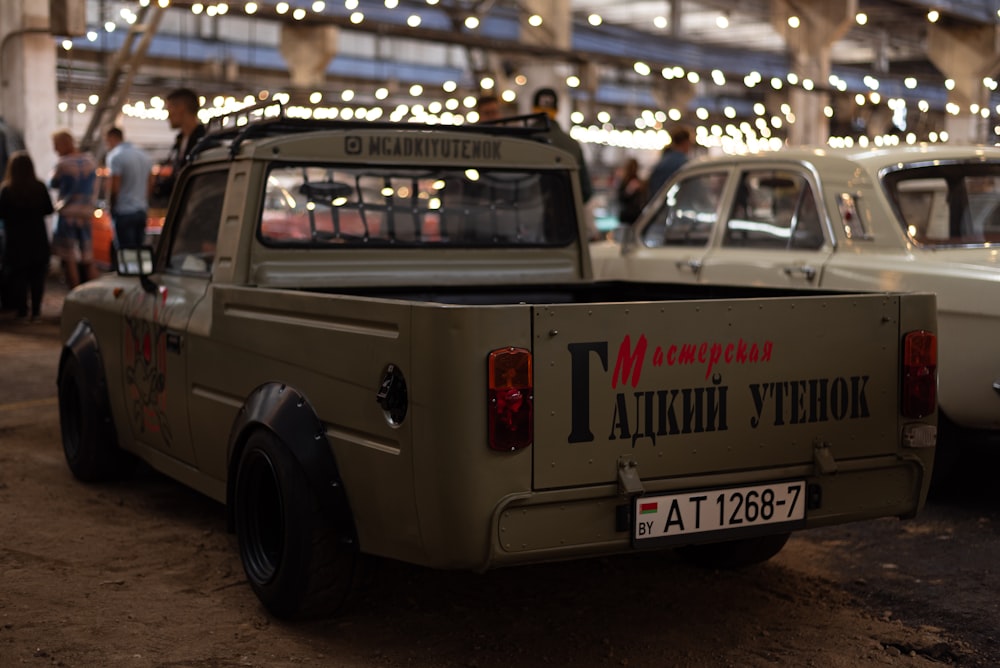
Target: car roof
(871, 159)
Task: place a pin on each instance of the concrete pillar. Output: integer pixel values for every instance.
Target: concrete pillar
(556, 31)
(307, 51)
(28, 94)
(965, 54)
(820, 25)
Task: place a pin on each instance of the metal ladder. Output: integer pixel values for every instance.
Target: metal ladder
(126, 62)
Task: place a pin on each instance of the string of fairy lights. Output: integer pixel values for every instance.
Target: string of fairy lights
(648, 129)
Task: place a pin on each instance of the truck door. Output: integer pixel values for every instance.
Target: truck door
(673, 241)
(156, 318)
(773, 233)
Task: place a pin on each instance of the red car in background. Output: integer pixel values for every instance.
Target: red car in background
(103, 230)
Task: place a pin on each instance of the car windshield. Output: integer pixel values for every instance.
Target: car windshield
(349, 206)
(948, 204)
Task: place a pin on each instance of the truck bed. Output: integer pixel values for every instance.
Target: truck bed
(598, 292)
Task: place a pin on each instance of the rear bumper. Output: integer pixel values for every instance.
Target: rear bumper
(567, 524)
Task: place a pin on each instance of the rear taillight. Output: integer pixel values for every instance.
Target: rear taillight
(919, 374)
(510, 399)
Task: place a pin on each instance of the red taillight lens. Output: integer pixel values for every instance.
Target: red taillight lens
(510, 399)
(919, 374)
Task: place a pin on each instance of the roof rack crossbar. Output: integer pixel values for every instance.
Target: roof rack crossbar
(270, 119)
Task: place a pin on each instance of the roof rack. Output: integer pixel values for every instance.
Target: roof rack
(270, 119)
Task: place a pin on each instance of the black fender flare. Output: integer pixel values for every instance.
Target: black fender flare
(82, 344)
(286, 413)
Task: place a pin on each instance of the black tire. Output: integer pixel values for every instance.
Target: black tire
(734, 553)
(88, 433)
(949, 459)
(297, 561)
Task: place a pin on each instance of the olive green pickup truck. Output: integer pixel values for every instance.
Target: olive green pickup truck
(385, 339)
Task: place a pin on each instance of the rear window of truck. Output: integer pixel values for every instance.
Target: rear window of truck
(323, 206)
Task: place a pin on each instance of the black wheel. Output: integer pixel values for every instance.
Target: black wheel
(949, 459)
(297, 560)
(88, 434)
(734, 553)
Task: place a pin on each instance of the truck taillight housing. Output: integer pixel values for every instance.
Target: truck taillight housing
(919, 374)
(511, 399)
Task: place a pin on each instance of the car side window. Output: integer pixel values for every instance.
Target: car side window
(948, 204)
(198, 217)
(688, 213)
(774, 209)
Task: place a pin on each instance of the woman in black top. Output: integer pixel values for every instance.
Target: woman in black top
(631, 192)
(24, 203)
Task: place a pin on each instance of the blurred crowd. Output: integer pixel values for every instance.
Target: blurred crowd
(126, 184)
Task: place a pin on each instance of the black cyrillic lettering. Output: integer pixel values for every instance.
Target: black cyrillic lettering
(580, 387)
(840, 402)
(859, 403)
(619, 420)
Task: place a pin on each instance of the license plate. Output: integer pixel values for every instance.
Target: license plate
(733, 510)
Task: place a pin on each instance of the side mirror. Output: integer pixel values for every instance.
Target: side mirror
(135, 261)
(138, 262)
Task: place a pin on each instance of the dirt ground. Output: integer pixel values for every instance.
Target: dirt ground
(142, 573)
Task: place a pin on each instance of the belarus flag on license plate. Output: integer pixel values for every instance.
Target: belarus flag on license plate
(646, 508)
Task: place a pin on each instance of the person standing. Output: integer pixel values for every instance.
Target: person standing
(75, 177)
(674, 155)
(24, 203)
(182, 113)
(631, 192)
(128, 172)
(488, 108)
(546, 101)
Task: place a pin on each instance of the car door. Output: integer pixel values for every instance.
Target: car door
(773, 233)
(156, 316)
(671, 242)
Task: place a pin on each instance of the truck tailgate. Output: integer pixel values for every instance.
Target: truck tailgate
(699, 387)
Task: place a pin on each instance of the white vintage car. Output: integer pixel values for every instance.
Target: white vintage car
(919, 218)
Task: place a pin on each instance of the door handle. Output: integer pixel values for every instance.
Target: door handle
(173, 343)
(804, 269)
(691, 264)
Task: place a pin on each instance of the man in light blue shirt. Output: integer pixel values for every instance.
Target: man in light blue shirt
(128, 174)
